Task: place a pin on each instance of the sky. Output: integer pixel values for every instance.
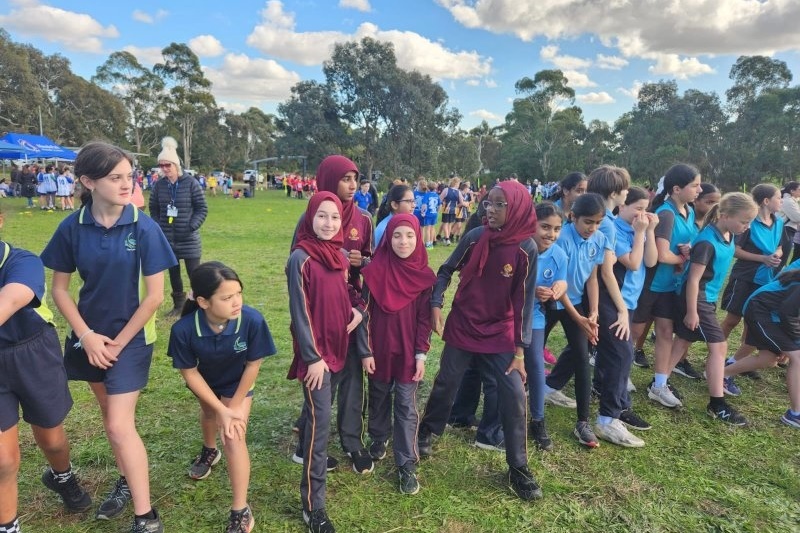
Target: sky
(254, 51)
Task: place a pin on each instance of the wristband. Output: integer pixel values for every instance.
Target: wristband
(80, 339)
(421, 357)
(519, 357)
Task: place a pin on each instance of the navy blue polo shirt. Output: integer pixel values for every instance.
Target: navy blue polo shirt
(584, 255)
(758, 239)
(23, 267)
(677, 229)
(220, 358)
(550, 267)
(712, 250)
(632, 282)
(112, 262)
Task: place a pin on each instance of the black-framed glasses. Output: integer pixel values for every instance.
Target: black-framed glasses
(497, 206)
(407, 201)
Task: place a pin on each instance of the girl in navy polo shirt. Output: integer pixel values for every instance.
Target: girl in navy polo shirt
(398, 284)
(218, 345)
(120, 255)
(758, 256)
(695, 315)
(551, 284)
(34, 379)
(324, 311)
(490, 320)
(585, 249)
(674, 234)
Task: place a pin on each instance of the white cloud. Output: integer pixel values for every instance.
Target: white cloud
(147, 56)
(562, 62)
(276, 36)
(361, 5)
(251, 79)
(206, 46)
(682, 69)
(611, 62)
(633, 92)
(473, 83)
(578, 80)
(490, 83)
(146, 18)
(486, 115)
(694, 27)
(75, 31)
(595, 98)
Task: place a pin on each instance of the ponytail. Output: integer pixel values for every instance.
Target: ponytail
(790, 187)
(679, 175)
(731, 204)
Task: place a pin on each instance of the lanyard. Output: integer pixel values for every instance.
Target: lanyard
(173, 192)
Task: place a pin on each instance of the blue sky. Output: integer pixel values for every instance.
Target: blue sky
(255, 50)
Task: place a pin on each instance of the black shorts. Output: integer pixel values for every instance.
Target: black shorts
(765, 334)
(654, 305)
(128, 374)
(32, 376)
(709, 330)
(736, 294)
(448, 218)
(459, 219)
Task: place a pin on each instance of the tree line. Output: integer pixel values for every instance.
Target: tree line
(400, 123)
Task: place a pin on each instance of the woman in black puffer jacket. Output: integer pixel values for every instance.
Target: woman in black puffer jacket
(179, 206)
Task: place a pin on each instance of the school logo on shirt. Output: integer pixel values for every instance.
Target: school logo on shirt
(507, 271)
(592, 251)
(130, 242)
(239, 345)
(547, 274)
(353, 234)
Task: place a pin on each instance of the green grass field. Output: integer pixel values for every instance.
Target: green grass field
(693, 475)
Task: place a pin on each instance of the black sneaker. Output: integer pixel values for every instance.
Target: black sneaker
(640, 358)
(240, 521)
(66, 485)
(147, 525)
(685, 368)
(297, 457)
(425, 444)
(362, 462)
(674, 391)
(633, 421)
(201, 466)
(523, 484)
(727, 414)
(408, 480)
(538, 433)
(318, 521)
(377, 450)
(115, 502)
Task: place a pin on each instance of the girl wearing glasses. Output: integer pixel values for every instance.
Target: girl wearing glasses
(400, 199)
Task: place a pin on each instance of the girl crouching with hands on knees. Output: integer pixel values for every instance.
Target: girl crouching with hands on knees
(324, 311)
(218, 346)
(490, 320)
(398, 294)
(121, 255)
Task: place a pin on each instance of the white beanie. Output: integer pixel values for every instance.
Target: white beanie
(169, 151)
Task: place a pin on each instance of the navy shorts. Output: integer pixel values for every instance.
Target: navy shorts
(654, 305)
(765, 334)
(709, 330)
(448, 218)
(128, 374)
(32, 376)
(736, 294)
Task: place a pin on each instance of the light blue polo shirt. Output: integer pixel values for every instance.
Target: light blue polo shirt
(583, 255)
(608, 228)
(633, 281)
(550, 267)
(112, 262)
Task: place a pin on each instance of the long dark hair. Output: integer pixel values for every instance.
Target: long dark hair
(569, 182)
(205, 280)
(395, 194)
(790, 187)
(679, 175)
(96, 160)
(547, 209)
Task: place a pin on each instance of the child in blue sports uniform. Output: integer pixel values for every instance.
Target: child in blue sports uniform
(218, 346)
(699, 287)
(120, 255)
(430, 211)
(34, 379)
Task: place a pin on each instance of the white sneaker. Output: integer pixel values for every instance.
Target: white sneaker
(615, 432)
(560, 399)
(663, 396)
(631, 387)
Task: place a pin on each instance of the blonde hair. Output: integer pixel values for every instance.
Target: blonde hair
(454, 182)
(731, 204)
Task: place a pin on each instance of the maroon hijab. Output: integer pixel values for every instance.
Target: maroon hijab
(520, 225)
(395, 282)
(329, 253)
(329, 173)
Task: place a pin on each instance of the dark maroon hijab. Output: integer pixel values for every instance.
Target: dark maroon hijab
(329, 253)
(520, 225)
(329, 173)
(395, 282)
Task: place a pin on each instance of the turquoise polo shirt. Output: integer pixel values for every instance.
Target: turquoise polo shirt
(712, 250)
(683, 231)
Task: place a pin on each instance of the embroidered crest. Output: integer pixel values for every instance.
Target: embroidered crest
(508, 271)
(239, 345)
(592, 251)
(547, 274)
(130, 242)
(353, 234)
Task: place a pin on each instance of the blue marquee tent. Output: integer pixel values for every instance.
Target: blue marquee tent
(37, 147)
(11, 151)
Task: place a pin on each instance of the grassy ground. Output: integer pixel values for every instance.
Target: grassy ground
(693, 475)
